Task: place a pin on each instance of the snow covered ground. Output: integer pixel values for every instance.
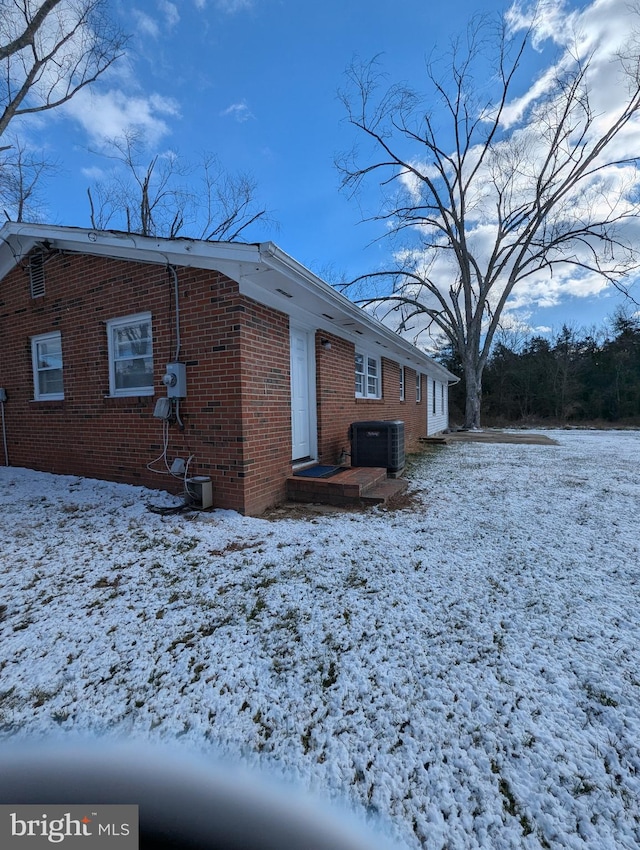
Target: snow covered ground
(468, 668)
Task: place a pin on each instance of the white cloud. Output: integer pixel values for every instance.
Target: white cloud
(106, 115)
(239, 111)
(232, 6)
(170, 12)
(94, 173)
(145, 24)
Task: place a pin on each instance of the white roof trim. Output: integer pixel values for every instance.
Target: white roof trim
(264, 273)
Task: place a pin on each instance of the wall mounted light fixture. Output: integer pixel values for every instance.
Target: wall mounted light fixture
(325, 344)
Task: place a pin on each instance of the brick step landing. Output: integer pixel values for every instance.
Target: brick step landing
(356, 486)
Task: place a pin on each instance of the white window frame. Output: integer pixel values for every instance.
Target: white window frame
(38, 369)
(112, 326)
(369, 378)
(433, 406)
(418, 388)
(402, 379)
(442, 397)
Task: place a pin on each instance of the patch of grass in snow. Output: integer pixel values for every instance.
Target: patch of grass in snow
(289, 621)
(237, 546)
(583, 786)
(40, 696)
(332, 676)
(186, 639)
(600, 696)
(259, 606)
(264, 729)
(266, 582)
(305, 739)
(354, 579)
(186, 545)
(105, 582)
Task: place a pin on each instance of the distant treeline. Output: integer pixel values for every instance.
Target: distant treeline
(575, 376)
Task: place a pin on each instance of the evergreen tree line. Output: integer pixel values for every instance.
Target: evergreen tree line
(574, 376)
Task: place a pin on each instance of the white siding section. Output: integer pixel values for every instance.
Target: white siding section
(438, 421)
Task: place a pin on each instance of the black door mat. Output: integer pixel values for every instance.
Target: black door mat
(319, 471)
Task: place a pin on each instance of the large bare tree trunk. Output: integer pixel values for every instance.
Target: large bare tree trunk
(473, 397)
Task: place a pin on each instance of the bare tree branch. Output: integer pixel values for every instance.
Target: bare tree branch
(160, 198)
(50, 51)
(478, 202)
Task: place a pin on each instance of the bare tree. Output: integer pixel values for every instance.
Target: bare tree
(167, 196)
(489, 191)
(51, 50)
(21, 173)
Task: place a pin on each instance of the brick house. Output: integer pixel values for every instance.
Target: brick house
(271, 365)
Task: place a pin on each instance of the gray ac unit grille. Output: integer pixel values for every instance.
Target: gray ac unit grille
(378, 443)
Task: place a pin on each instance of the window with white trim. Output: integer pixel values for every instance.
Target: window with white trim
(441, 398)
(46, 356)
(368, 372)
(402, 383)
(434, 397)
(130, 355)
(418, 387)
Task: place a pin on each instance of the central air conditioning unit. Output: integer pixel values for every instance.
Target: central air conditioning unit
(378, 443)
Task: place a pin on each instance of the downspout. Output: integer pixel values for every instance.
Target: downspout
(178, 342)
(3, 396)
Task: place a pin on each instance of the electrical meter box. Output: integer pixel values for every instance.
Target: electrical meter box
(175, 380)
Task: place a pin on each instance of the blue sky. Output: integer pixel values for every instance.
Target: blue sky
(256, 82)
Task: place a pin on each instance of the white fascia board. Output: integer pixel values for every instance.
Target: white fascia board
(20, 238)
(345, 318)
(264, 272)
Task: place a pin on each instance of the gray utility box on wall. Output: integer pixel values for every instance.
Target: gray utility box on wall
(378, 443)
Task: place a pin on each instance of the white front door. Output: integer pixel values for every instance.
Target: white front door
(303, 418)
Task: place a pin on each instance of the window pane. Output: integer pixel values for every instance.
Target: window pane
(372, 385)
(134, 374)
(359, 374)
(49, 354)
(50, 382)
(132, 340)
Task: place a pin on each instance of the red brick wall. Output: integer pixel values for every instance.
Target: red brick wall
(89, 433)
(237, 414)
(338, 407)
(266, 405)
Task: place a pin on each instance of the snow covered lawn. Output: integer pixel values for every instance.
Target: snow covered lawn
(469, 668)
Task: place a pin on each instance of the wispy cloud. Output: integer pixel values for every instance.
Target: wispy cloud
(227, 7)
(145, 24)
(107, 115)
(240, 112)
(230, 7)
(170, 12)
